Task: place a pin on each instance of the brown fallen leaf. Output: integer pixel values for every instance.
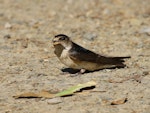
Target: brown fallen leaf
(119, 101)
(47, 94)
(27, 95)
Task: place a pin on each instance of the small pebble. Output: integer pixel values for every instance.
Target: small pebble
(135, 22)
(7, 36)
(54, 100)
(41, 74)
(145, 30)
(8, 26)
(90, 36)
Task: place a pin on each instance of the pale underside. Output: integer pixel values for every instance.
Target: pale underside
(65, 59)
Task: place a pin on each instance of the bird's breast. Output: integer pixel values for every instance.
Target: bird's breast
(65, 59)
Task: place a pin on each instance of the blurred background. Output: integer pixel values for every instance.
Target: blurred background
(89, 20)
(109, 27)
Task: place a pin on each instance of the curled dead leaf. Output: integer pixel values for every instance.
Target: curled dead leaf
(119, 101)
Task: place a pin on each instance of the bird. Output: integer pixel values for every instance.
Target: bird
(77, 57)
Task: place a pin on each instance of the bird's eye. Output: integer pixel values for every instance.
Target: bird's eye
(62, 38)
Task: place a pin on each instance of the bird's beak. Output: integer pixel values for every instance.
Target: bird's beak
(55, 41)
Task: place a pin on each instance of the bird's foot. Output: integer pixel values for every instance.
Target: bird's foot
(82, 71)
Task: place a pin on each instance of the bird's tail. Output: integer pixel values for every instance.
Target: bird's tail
(120, 58)
(119, 61)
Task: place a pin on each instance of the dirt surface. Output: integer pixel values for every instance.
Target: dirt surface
(110, 27)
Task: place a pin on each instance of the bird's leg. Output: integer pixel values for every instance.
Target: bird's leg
(82, 71)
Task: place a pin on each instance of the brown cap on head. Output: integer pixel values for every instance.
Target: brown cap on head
(61, 35)
(61, 39)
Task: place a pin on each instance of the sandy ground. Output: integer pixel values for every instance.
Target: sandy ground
(110, 27)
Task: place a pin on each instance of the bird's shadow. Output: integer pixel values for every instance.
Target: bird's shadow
(75, 71)
(72, 71)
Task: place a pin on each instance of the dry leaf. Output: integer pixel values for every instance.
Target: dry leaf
(46, 94)
(119, 101)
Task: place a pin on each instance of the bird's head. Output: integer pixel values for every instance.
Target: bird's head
(63, 40)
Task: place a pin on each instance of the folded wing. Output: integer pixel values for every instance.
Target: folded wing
(81, 54)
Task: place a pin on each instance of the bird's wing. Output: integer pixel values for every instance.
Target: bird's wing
(79, 53)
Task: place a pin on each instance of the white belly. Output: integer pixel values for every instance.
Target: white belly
(65, 59)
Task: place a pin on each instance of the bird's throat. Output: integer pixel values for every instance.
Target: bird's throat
(58, 49)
